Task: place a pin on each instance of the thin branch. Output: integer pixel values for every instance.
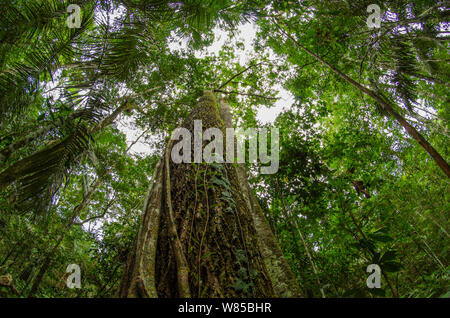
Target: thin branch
(245, 94)
(105, 210)
(236, 75)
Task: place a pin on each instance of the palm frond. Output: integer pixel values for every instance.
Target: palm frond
(33, 176)
(20, 79)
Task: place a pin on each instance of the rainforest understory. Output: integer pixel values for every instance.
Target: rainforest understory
(93, 205)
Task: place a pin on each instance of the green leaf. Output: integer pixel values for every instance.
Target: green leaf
(241, 257)
(391, 266)
(446, 295)
(377, 291)
(242, 273)
(240, 285)
(381, 237)
(388, 256)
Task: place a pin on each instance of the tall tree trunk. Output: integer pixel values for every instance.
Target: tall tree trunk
(51, 254)
(316, 274)
(283, 279)
(198, 236)
(372, 251)
(289, 216)
(76, 212)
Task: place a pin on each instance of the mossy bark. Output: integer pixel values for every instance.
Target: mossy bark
(283, 279)
(198, 236)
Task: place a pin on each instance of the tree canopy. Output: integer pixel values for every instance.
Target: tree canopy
(362, 112)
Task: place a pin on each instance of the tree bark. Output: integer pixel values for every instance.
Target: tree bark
(283, 279)
(193, 240)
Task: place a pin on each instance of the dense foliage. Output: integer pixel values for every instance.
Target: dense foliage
(363, 174)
